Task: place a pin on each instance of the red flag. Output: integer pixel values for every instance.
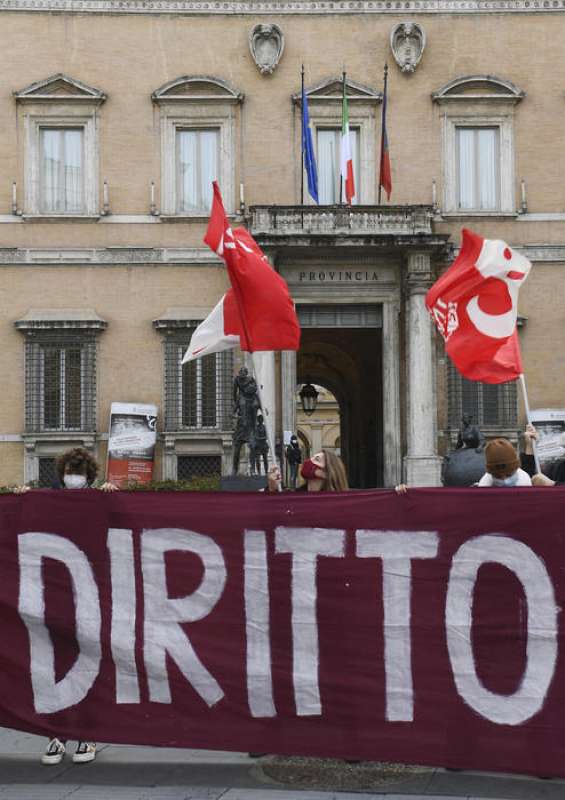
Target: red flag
(266, 311)
(475, 307)
(385, 173)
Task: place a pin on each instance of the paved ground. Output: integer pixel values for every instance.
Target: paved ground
(147, 773)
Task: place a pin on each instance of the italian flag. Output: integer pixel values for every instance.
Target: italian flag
(346, 158)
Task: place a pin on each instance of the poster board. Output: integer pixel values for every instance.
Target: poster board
(550, 425)
(131, 443)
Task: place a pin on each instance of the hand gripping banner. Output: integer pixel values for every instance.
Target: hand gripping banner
(421, 629)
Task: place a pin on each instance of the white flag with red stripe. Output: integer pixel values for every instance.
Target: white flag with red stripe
(218, 332)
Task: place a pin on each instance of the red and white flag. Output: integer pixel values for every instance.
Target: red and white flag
(264, 318)
(346, 154)
(475, 307)
(219, 331)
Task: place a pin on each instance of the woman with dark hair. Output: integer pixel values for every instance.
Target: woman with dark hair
(76, 469)
(324, 472)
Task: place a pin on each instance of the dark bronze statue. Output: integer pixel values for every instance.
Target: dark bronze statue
(245, 407)
(465, 465)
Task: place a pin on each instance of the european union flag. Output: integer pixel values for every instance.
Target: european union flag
(308, 157)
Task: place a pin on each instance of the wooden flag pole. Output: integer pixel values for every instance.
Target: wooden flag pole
(529, 418)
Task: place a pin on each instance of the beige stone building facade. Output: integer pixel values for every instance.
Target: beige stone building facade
(114, 116)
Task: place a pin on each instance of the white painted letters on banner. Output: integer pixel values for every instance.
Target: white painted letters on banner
(397, 549)
(306, 545)
(120, 546)
(541, 649)
(163, 615)
(50, 695)
(257, 625)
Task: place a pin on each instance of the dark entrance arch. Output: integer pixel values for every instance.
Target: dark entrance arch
(348, 361)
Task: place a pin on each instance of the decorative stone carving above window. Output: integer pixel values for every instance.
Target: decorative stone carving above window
(331, 90)
(197, 89)
(487, 88)
(407, 42)
(266, 43)
(60, 87)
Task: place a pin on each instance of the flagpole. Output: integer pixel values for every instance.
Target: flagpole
(340, 144)
(302, 140)
(382, 132)
(529, 418)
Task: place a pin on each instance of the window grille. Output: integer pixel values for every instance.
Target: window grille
(492, 406)
(189, 467)
(198, 395)
(61, 170)
(478, 168)
(197, 166)
(60, 382)
(47, 473)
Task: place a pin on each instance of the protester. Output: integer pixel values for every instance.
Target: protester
(324, 472)
(503, 466)
(76, 469)
(293, 459)
(556, 470)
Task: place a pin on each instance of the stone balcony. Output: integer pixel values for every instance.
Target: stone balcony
(341, 225)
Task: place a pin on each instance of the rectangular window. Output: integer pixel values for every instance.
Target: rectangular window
(61, 170)
(197, 157)
(328, 163)
(62, 388)
(199, 392)
(478, 168)
(493, 407)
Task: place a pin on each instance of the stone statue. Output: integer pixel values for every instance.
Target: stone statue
(293, 459)
(407, 42)
(245, 407)
(465, 465)
(266, 43)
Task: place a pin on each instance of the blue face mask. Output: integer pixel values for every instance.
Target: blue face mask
(511, 481)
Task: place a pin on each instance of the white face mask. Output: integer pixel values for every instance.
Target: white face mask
(74, 481)
(511, 481)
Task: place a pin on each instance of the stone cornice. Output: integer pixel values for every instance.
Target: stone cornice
(202, 257)
(285, 7)
(110, 256)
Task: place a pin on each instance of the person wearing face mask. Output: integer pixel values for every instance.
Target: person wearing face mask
(76, 469)
(324, 472)
(503, 466)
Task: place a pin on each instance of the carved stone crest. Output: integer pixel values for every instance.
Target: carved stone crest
(266, 43)
(407, 42)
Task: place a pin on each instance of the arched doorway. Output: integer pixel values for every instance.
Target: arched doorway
(347, 363)
(322, 429)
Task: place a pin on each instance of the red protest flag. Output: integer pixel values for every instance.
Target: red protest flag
(266, 310)
(385, 172)
(475, 307)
